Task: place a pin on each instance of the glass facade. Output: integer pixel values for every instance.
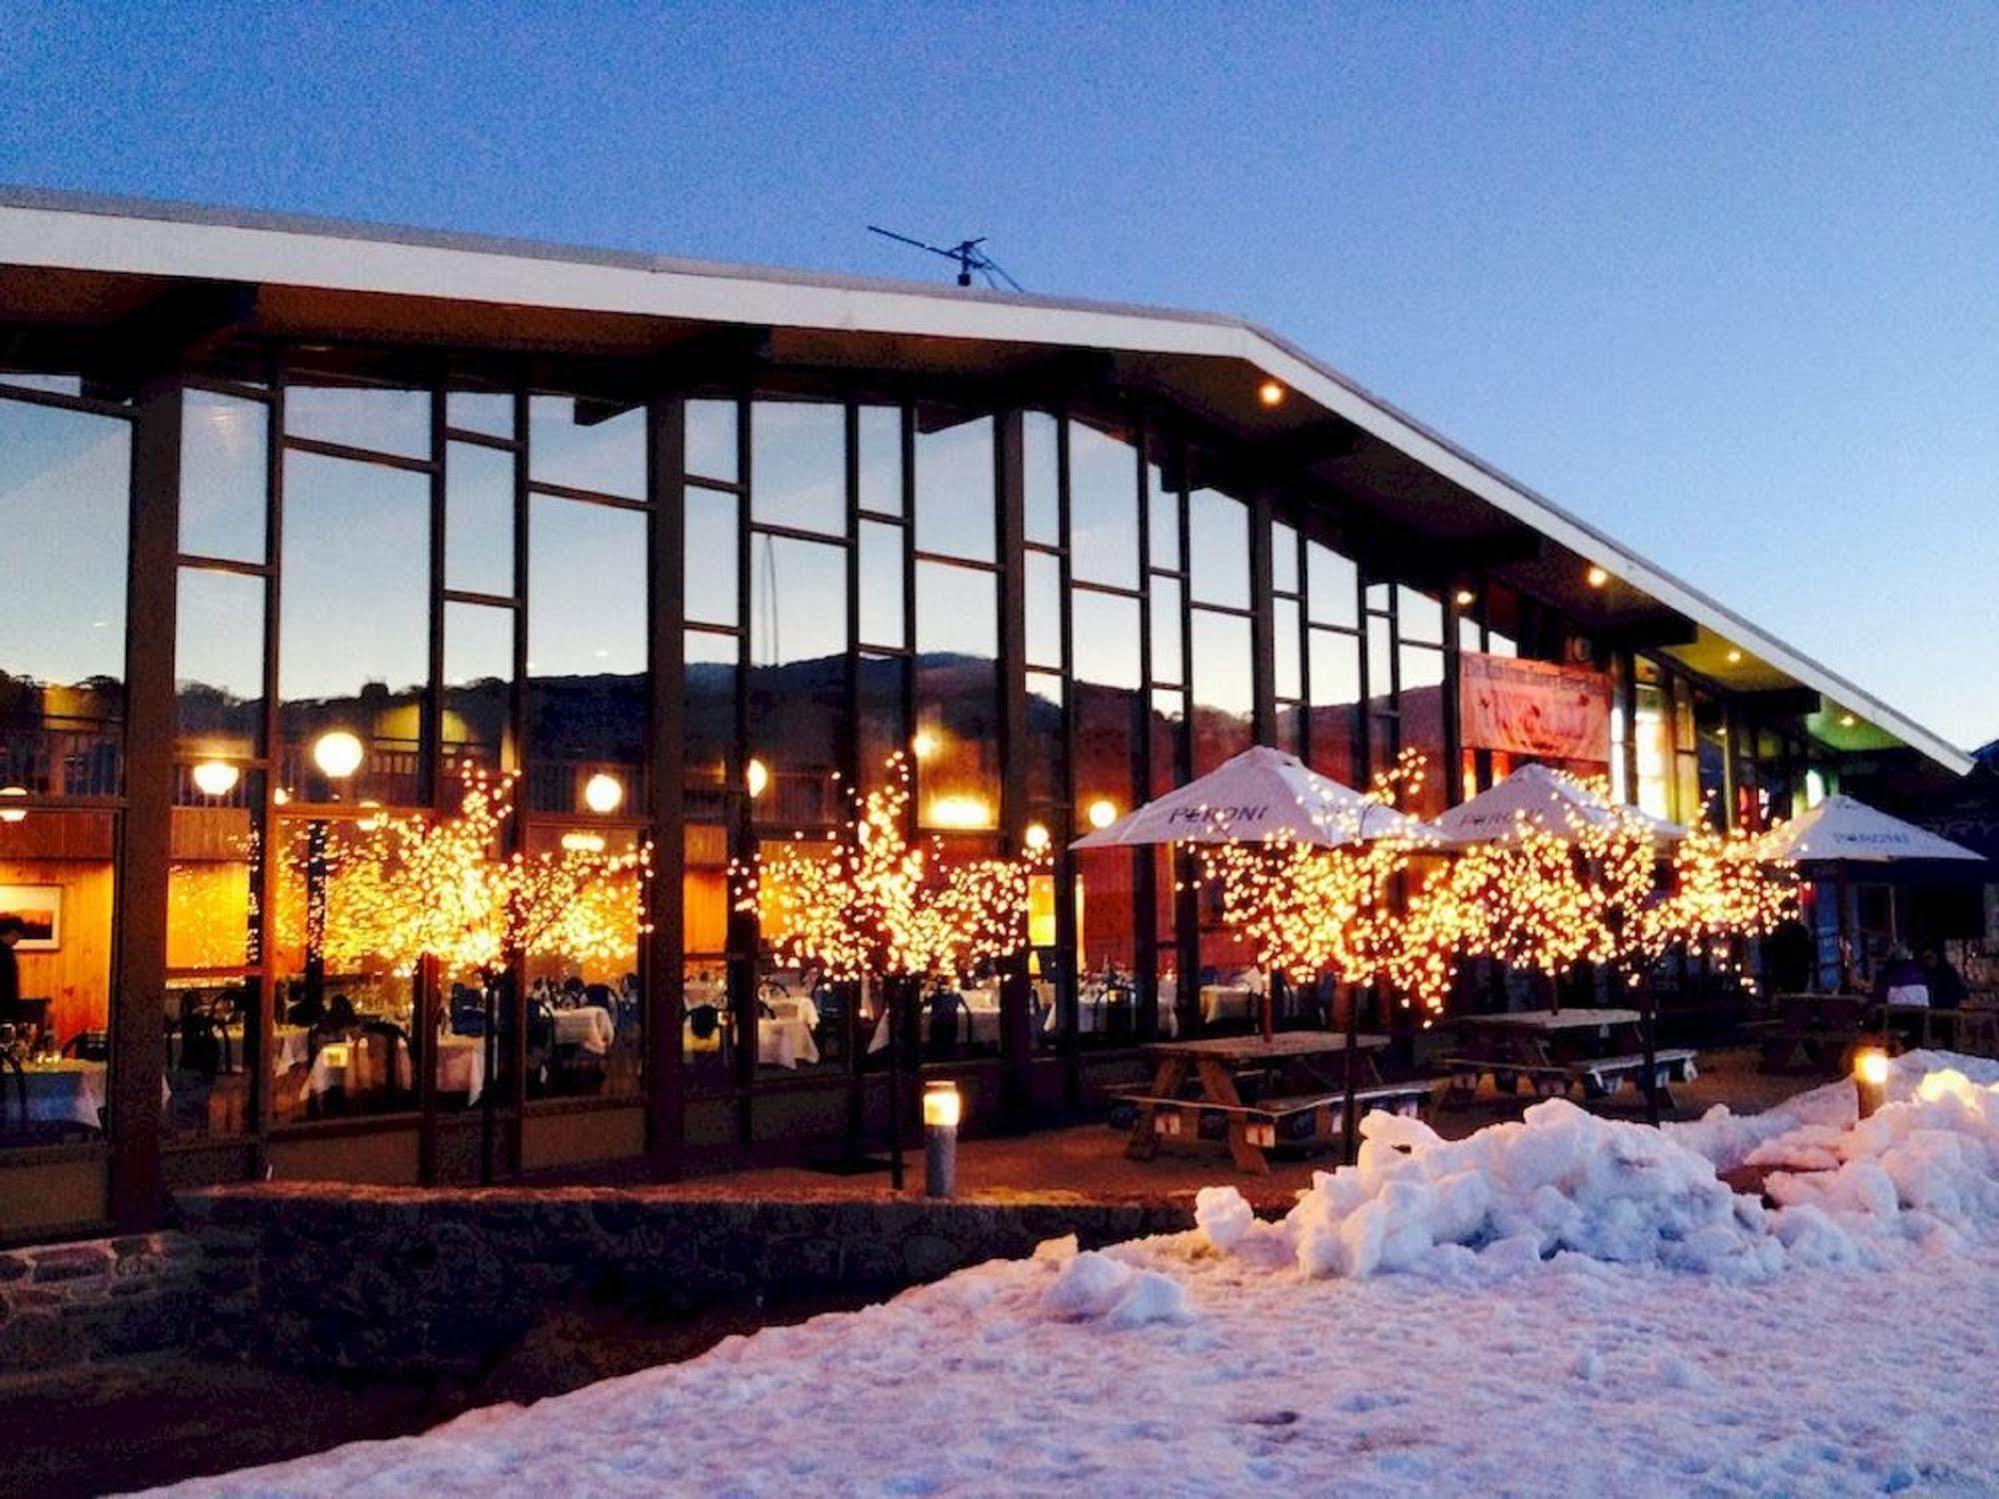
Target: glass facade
(671, 633)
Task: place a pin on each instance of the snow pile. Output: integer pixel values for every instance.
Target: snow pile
(1920, 1169)
(1562, 1183)
(1093, 1286)
(1559, 1181)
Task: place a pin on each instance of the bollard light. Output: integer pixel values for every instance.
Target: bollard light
(942, 1108)
(1870, 1078)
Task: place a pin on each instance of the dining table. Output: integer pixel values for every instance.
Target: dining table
(62, 1091)
(588, 1027)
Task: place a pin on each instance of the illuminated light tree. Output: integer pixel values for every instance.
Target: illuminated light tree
(878, 907)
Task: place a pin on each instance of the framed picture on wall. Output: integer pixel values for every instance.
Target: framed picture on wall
(40, 910)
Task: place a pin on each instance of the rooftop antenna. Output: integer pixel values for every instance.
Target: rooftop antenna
(970, 259)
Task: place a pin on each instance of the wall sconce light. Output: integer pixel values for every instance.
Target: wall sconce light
(215, 777)
(1102, 812)
(337, 753)
(13, 814)
(1036, 836)
(960, 812)
(603, 794)
(756, 778)
(1466, 598)
(924, 744)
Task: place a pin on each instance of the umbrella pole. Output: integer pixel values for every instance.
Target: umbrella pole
(1350, 1107)
(892, 1018)
(1648, 1010)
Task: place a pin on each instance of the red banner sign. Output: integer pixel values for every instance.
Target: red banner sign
(1534, 708)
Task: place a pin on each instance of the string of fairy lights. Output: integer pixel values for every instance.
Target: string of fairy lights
(411, 887)
(877, 905)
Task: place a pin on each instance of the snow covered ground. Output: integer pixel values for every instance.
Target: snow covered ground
(1560, 1305)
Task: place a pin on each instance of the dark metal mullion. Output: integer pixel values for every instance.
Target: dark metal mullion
(145, 832)
(351, 454)
(430, 740)
(515, 758)
(1262, 624)
(1186, 898)
(1009, 536)
(850, 739)
(61, 402)
(587, 496)
(1069, 956)
(1145, 888)
(663, 966)
(743, 932)
(222, 565)
(261, 1037)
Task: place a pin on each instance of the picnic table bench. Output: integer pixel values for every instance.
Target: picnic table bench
(1537, 1047)
(1818, 1030)
(1251, 1128)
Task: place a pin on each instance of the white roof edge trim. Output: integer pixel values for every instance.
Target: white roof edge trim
(69, 231)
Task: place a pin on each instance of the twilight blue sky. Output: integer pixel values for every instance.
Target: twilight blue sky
(1723, 279)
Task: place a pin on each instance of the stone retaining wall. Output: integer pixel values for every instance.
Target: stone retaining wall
(419, 1282)
(65, 1304)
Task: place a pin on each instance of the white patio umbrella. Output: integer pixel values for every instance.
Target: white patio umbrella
(1842, 830)
(1265, 793)
(1547, 800)
(1260, 793)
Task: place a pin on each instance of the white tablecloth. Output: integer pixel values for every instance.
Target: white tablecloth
(461, 1066)
(587, 1026)
(66, 1092)
(785, 1041)
(330, 1068)
(1229, 1002)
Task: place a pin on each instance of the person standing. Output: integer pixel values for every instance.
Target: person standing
(12, 930)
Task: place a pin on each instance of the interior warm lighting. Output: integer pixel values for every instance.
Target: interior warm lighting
(1466, 598)
(603, 794)
(1102, 813)
(961, 812)
(376, 820)
(1597, 577)
(756, 777)
(1870, 1065)
(1270, 393)
(13, 814)
(215, 778)
(583, 843)
(337, 754)
(281, 796)
(942, 1106)
(1037, 836)
(924, 744)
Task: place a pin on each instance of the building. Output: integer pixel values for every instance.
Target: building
(306, 518)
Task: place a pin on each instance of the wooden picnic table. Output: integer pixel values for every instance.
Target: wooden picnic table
(1532, 1037)
(1819, 1029)
(1553, 1050)
(1214, 1064)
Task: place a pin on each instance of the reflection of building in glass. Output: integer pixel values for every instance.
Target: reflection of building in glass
(692, 555)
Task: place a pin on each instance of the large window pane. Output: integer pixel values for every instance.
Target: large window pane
(584, 1012)
(65, 482)
(490, 412)
(1041, 462)
(478, 673)
(1103, 507)
(711, 440)
(586, 656)
(570, 446)
(224, 458)
(954, 489)
(1218, 569)
(56, 868)
(1283, 558)
(1334, 687)
(479, 519)
(882, 589)
(219, 664)
(881, 459)
(1044, 610)
(1167, 667)
(1224, 688)
(353, 641)
(1284, 640)
(1333, 585)
(709, 565)
(710, 718)
(957, 687)
(386, 421)
(798, 680)
(798, 465)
